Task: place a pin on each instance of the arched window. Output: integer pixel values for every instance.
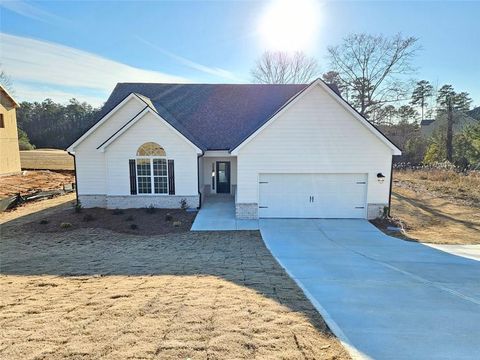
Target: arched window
(150, 149)
(152, 172)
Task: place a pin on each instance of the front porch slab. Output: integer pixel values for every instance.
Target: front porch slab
(218, 213)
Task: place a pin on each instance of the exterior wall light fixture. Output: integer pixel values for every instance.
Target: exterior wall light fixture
(380, 178)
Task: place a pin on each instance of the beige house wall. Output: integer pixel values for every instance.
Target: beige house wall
(9, 152)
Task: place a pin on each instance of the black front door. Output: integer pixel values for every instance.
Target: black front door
(223, 177)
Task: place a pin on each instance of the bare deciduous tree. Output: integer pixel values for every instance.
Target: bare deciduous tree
(374, 68)
(284, 68)
(6, 81)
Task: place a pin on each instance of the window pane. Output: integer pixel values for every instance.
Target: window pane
(143, 167)
(213, 176)
(150, 149)
(159, 167)
(161, 185)
(144, 185)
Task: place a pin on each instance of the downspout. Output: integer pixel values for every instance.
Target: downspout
(76, 179)
(198, 182)
(390, 191)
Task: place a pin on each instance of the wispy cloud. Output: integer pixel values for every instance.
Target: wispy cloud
(30, 61)
(215, 71)
(26, 9)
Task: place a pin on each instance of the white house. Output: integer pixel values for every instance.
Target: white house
(282, 150)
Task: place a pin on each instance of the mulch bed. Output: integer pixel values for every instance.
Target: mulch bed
(130, 221)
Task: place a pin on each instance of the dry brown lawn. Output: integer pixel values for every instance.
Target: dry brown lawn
(46, 159)
(38, 210)
(456, 187)
(438, 207)
(93, 293)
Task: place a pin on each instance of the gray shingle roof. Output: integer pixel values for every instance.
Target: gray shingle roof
(212, 116)
(426, 122)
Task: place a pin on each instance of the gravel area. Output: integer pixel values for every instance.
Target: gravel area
(93, 293)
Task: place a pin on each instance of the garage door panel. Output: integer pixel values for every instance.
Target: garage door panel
(312, 195)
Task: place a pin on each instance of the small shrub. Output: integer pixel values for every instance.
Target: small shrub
(88, 217)
(177, 223)
(168, 217)
(151, 209)
(385, 212)
(184, 204)
(117, 212)
(129, 218)
(78, 207)
(44, 222)
(65, 225)
(133, 226)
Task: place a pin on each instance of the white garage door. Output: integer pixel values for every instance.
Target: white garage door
(312, 195)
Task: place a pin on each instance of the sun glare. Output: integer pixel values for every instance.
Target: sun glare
(289, 25)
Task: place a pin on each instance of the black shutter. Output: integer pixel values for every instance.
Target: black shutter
(171, 177)
(133, 177)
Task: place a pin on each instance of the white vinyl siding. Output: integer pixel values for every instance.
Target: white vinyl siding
(315, 135)
(90, 163)
(107, 173)
(151, 129)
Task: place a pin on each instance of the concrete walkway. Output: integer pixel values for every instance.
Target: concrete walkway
(466, 251)
(383, 297)
(218, 213)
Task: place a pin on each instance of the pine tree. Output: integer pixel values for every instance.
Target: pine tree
(420, 95)
(462, 101)
(445, 94)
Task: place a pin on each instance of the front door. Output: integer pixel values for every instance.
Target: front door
(223, 177)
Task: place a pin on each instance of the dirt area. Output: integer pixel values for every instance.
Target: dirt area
(94, 293)
(29, 182)
(436, 208)
(46, 159)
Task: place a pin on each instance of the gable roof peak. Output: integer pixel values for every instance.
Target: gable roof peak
(12, 99)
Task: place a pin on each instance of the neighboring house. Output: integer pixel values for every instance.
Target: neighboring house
(460, 120)
(281, 150)
(474, 113)
(9, 151)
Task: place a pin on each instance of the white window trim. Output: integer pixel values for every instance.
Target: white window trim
(152, 176)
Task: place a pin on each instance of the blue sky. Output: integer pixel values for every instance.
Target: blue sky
(63, 49)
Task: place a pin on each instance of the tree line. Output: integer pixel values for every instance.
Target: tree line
(48, 124)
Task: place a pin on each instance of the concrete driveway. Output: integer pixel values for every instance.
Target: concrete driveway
(385, 298)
